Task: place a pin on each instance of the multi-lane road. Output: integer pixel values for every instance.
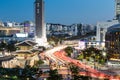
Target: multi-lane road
(50, 54)
(58, 55)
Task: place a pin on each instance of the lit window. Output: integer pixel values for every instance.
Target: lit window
(38, 10)
(38, 4)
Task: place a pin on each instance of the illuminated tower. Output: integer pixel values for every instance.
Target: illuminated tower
(39, 23)
(39, 17)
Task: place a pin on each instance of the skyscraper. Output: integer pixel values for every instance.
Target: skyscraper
(40, 31)
(117, 11)
(39, 17)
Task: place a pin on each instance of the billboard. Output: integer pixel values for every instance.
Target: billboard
(22, 35)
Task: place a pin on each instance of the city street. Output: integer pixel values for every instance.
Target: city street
(50, 54)
(58, 56)
(90, 71)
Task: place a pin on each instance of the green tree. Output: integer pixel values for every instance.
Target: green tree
(28, 72)
(74, 71)
(11, 47)
(69, 51)
(80, 57)
(3, 45)
(38, 63)
(53, 40)
(54, 75)
(93, 53)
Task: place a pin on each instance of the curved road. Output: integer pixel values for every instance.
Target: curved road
(91, 72)
(58, 55)
(50, 54)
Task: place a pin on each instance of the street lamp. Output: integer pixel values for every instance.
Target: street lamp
(94, 57)
(104, 55)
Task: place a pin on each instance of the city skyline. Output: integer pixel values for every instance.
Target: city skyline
(59, 11)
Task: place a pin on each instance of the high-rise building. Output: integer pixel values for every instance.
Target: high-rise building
(40, 29)
(39, 17)
(117, 11)
(112, 39)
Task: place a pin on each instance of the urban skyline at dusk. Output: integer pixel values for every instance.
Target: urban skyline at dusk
(59, 11)
(59, 39)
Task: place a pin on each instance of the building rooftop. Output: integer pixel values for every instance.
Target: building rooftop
(6, 58)
(113, 28)
(26, 43)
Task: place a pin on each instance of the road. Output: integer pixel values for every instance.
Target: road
(90, 71)
(58, 55)
(50, 54)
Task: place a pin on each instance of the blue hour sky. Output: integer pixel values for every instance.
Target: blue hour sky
(59, 11)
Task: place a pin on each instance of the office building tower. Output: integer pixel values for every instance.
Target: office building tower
(117, 11)
(40, 31)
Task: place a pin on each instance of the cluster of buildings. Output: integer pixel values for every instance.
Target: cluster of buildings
(28, 53)
(107, 36)
(52, 29)
(107, 33)
(10, 28)
(68, 30)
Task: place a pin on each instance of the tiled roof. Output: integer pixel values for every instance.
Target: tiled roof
(26, 43)
(6, 58)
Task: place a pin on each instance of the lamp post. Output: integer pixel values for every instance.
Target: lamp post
(104, 55)
(94, 61)
(94, 57)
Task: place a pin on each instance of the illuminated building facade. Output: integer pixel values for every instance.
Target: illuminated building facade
(113, 39)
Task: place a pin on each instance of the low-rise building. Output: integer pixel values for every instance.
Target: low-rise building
(1, 24)
(9, 30)
(25, 49)
(26, 54)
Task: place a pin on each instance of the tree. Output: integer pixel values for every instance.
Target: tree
(93, 53)
(3, 45)
(54, 75)
(74, 71)
(38, 63)
(80, 57)
(69, 51)
(53, 40)
(11, 47)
